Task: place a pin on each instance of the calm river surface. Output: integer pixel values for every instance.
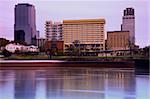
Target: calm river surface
(73, 83)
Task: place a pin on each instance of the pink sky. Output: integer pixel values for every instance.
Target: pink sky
(111, 10)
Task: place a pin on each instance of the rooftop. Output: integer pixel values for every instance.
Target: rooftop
(26, 4)
(84, 21)
(116, 31)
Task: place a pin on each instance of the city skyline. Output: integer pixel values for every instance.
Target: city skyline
(64, 10)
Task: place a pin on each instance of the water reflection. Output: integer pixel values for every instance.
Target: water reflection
(24, 84)
(72, 83)
(7, 82)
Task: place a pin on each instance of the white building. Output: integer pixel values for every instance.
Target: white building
(53, 31)
(13, 47)
(32, 48)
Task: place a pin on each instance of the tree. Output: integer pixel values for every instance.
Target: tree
(42, 48)
(3, 42)
(70, 49)
(6, 53)
(146, 51)
(106, 48)
(17, 51)
(49, 53)
(130, 45)
(20, 42)
(76, 45)
(54, 51)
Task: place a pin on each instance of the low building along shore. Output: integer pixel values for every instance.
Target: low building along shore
(22, 48)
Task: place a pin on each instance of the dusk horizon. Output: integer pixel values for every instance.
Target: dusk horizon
(66, 10)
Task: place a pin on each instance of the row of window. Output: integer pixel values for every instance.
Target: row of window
(90, 30)
(85, 40)
(85, 34)
(80, 28)
(53, 31)
(128, 17)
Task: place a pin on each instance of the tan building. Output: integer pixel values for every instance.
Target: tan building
(118, 40)
(89, 32)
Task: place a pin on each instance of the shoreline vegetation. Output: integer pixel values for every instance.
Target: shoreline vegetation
(73, 58)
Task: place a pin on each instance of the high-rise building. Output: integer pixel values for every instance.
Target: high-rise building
(118, 40)
(89, 32)
(41, 43)
(128, 23)
(25, 23)
(53, 31)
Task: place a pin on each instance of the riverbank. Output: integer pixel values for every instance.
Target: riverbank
(59, 63)
(139, 65)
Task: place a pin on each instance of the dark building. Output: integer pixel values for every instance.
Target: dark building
(41, 44)
(25, 25)
(58, 45)
(20, 35)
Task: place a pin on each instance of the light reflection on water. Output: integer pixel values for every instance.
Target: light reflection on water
(73, 83)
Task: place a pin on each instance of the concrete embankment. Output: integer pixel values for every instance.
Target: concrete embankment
(55, 63)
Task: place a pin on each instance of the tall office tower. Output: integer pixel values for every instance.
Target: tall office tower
(89, 32)
(128, 23)
(25, 24)
(53, 31)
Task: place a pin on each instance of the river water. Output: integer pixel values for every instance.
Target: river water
(73, 83)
